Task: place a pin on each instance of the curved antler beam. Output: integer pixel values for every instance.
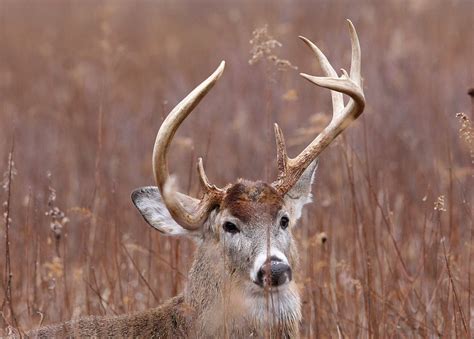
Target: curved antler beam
(167, 185)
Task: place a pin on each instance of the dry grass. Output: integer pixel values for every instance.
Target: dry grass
(83, 89)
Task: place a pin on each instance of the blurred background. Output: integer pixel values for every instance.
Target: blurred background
(387, 247)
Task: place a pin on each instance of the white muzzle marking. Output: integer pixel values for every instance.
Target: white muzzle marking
(262, 258)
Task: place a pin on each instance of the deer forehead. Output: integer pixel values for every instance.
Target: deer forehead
(247, 200)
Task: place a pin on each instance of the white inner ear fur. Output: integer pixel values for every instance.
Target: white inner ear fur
(300, 194)
(151, 206)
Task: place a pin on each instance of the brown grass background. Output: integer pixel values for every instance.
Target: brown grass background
(85, 85)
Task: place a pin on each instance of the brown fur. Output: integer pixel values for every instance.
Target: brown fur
(170, 320)
(245, 198)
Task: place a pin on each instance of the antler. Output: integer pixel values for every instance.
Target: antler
(173, 200)
(290, 169)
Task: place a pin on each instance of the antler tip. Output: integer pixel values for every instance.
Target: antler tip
(326, 82)
(307, 42)
(307, 76)
(351, 26)
(220, 69)
(344, 73)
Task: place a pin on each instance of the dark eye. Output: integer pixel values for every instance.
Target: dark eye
(230, 227)
(284, 222)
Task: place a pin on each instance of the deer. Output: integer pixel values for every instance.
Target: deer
(241, 283)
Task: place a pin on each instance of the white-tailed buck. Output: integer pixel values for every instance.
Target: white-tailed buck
(241, 282)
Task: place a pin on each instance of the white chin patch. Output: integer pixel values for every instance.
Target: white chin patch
(262, 257)
(282, 306)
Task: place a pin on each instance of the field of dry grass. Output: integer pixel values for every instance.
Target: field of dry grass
(84, 87)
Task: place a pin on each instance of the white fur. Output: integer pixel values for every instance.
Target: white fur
(150, 204)
(282, 304)
(300, 193)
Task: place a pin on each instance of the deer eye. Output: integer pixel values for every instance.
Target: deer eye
(284, 222)
(230, 227)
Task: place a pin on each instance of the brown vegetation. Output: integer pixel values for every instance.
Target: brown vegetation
(387, 247)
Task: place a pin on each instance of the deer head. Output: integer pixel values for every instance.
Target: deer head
(247, 226)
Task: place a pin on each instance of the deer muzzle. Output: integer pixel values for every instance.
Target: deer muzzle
(273, 273)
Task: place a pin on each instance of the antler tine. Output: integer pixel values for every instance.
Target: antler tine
(282, 157)
(356, 58)
(343, 115)
(204, 180)
(167, 185)
(350, 85)
(328, 70)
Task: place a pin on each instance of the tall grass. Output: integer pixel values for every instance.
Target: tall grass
(386, 249)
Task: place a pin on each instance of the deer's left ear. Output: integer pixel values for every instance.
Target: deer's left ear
(300, 194)
(149, 202)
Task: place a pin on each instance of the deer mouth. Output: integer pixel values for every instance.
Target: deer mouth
(258, 291)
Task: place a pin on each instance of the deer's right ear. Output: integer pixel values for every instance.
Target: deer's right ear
(151, 206)
(300, 194)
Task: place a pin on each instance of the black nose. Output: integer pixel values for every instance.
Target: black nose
(273, 273)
